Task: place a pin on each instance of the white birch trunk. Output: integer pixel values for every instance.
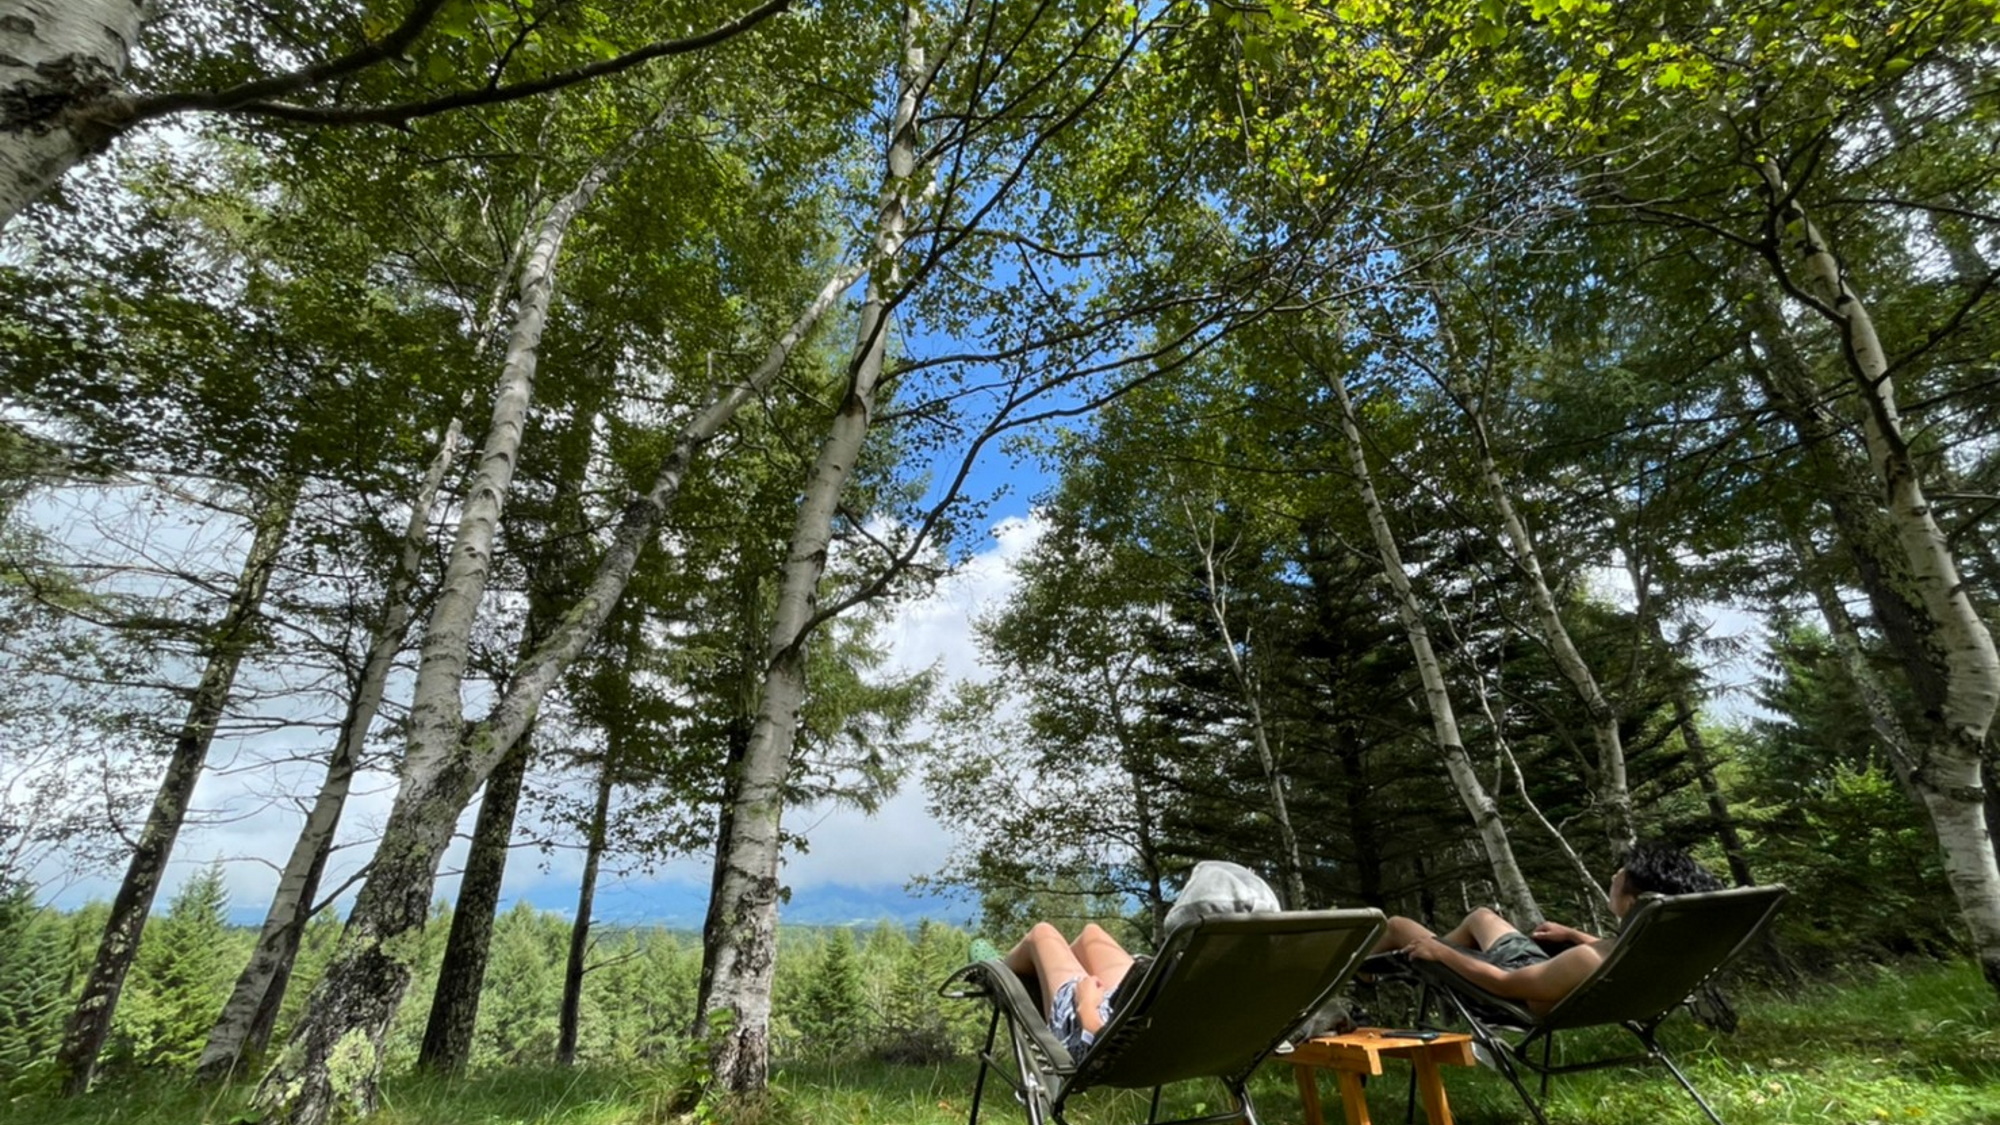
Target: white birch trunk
(335, 1056)
(1516, 900)
(1614, 795)
(90, 1022)
(62, 81)
(740, 957)
(370, 972)
(236, 1029)
(1274, 782)
(1948, 770)
(1593, 894)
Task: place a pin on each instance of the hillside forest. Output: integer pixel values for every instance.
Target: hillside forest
(477, 427)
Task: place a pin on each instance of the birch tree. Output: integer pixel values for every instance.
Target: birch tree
(68, 88)
(1957, 672)
(1516, 900)
(251, 1011)
(446, 758)
(740, 941)
(231, 640)
(1209, 553)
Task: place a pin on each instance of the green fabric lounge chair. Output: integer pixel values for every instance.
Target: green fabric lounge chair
(1668, 948)
(1222, 994)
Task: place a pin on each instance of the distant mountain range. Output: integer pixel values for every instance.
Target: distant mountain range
(680, 906)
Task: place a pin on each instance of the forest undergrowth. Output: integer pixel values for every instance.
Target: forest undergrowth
(1905, 1042)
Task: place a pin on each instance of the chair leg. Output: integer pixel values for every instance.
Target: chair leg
(1503, 1061)
(1653, 1048)
(1548, 1045)
(1153, 1113)
(1243, 1102)
(985, 1061)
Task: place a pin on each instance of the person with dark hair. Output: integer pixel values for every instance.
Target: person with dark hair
(1488, 951)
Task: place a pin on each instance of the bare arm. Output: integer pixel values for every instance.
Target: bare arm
(1556, 931)
(1539, 985)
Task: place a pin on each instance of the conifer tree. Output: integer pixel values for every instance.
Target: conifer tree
(179, 980)
(833, 1011)
(33, 961)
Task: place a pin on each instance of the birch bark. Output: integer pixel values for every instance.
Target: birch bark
(249, 1013)
(61, 63)
(335, 1056)
(740, 953)
(1614, 795)
(1516, 900)
(586, 898)
(1962, 653)
(336, 1052)
(90, 1022)
(1203, 534)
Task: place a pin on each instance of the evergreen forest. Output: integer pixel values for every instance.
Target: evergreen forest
(1417, 451)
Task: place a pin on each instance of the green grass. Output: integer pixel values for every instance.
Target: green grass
(1913, 1044)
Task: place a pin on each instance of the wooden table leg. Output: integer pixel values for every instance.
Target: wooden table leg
(1430, 1087)
(1309, 1093)
(1352, 1098)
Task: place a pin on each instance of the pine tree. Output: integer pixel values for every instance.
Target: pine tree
(832, 1017)
(180, 978)
(517, 1011)
(32, 963)
(915, 1029)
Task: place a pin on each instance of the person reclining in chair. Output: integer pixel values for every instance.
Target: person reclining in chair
(1488, 951)
(1080, 979)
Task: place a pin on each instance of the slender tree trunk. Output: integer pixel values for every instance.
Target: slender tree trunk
(454, 1015)
(586, 895)
(252, 1008)
(1516, 900)
(1614, 795)
(1875, 699)
(1594, 897)
(1686, 718)
(90, 1022)
(1962, 654)
(336, 1053)
(1213, 582)
(62, 77)
(446, 761)
(740, 951)
(1145, 820)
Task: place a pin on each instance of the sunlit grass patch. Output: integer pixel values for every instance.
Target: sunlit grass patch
(1915, 1044)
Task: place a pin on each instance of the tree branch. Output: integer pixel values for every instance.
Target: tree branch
(251, 100)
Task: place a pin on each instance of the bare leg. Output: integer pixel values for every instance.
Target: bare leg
(1105, 962)
(1401, 932)
(1480, 930)
(1101, 956)
(1044, 952)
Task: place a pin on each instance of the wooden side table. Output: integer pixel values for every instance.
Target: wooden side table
(1361, 1052)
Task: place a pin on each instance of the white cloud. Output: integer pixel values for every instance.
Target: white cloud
(253, 820)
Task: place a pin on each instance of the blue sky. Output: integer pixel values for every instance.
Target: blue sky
(854, 870)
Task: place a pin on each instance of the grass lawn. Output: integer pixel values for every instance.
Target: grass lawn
(1917, 1043)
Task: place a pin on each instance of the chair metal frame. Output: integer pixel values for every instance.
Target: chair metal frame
(1148, 1043)
(1737, 916)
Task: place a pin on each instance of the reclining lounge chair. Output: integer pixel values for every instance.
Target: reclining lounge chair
(1668, 948)
(1222, 994)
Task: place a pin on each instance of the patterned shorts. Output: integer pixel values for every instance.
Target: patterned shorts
(1067, 1023)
